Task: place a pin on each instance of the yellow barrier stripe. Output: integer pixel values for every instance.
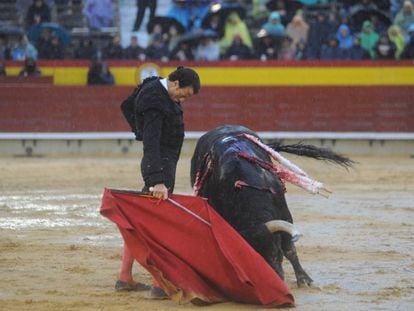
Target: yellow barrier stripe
(306, 76)
(251, 76)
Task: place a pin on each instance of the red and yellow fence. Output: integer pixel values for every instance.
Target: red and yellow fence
(265, 96)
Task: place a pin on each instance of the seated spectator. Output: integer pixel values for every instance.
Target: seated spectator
(99, 74)
(30, 69)
(234, 26)
(287, 50)
(369, 38)
(266, 48)
(300, 51)
(24, 49)
(273, 26)
(238, 50)
(157, 49)
(173, 37)
(207, 49)
(260, 12)
(98, 13)
(86, 49)
(113, 50)
(332, 50)
(38, 12)
(408, 52)
(385, 49)
(157, 31)
(405, 17)
(22, 7)
(43, 43)
(2, 70)
(319, 31)
(357, 52)
(379, 25)
(5, 51)
(215, 24)
(281, 7)
(182, 52)
(396, 36)
(344, 37)
(134, 50)
(298, 29)
(56, 49)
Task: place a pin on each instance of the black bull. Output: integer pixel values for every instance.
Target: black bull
(248, 195)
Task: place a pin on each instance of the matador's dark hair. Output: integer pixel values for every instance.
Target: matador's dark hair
(186, 77)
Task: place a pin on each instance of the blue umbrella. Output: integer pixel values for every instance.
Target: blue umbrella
(55, 29)
(166, 22)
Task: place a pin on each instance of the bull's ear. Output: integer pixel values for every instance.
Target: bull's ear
(281, 225)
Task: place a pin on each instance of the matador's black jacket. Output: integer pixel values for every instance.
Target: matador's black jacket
(160, 120)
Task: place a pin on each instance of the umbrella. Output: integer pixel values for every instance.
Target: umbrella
(358, 18)
(381, 4)
(55, 29)
(222, 10)
(290, 5)
(194, 36)
(166, 22)
(276, 39)
(191, 251)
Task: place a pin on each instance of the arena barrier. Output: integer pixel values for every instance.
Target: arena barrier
(368, 103)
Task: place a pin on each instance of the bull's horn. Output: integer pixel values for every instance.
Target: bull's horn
(281, 225)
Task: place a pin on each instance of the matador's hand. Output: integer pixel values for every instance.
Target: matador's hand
(159, 191)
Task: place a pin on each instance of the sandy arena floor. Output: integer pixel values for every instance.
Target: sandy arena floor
(58, 253)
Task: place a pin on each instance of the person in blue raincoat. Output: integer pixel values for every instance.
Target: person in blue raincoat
(99, 13)
(23, 50)
(274, 27)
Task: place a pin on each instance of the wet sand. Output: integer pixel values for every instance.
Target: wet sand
(58, 253)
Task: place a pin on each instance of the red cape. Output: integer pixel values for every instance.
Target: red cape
(193, 258)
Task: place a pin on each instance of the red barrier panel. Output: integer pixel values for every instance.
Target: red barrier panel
(47, 108)
(26, 80)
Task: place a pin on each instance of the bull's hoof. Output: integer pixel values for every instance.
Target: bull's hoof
(199, 302)
(304, 281)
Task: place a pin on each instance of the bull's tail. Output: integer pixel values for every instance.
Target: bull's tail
(314, 152)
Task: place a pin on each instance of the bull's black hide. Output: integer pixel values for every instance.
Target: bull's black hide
(245, 194)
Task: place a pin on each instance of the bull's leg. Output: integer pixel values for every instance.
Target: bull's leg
(276, 257)
(289, 250)
(266, 244)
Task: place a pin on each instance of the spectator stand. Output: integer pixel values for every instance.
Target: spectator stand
(128, 11)
(8, 13)
(72, 18)
(10, 27)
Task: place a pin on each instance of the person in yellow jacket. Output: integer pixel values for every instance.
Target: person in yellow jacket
(234, 26)
(396, 36)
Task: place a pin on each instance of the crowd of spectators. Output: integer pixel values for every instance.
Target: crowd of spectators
(268, 30)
